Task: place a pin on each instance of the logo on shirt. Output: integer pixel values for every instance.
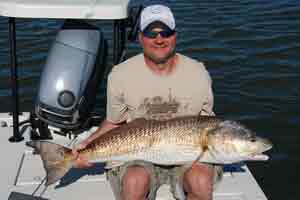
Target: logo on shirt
(159, 108)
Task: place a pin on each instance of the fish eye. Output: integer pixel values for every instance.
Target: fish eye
(253, 139)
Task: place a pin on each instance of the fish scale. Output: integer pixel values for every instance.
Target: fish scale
(151, 140)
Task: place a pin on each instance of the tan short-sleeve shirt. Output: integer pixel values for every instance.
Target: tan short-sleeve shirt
(134, 91)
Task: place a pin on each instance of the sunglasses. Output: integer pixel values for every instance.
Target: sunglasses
(153, 34)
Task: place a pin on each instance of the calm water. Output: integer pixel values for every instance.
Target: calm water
(251, 50)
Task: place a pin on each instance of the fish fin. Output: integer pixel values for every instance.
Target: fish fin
(137, 122)
(199, 157)
(203, 143)
(112, 164)
(56, 172)
(54, 159)
(204, 139)
(199, 116)
(219, 174)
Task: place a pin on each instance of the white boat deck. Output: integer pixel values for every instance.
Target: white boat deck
(21, 172)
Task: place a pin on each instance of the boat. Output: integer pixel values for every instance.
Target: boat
(22, 174)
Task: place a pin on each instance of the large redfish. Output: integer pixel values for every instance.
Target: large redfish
(176, 141)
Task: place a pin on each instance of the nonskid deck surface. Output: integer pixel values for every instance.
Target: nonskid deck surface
(22, 172)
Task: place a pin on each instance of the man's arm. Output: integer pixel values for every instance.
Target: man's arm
(105, 126)
(81, 161)
(116, 112)
(115, 108)
(207, 108)
(208, 105)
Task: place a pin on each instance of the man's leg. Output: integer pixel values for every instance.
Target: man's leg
(135, 183)
(133, 180)
(196, 182)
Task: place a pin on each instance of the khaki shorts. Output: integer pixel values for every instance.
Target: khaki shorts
(159, 175)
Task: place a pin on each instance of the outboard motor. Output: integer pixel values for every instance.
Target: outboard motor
(71, 76)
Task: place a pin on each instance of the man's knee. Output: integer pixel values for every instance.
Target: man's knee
(198, 181)
(135, 181)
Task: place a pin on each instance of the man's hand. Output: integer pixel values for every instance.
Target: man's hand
(81, 161)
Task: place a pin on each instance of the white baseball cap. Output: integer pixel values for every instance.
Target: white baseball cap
(159, 13)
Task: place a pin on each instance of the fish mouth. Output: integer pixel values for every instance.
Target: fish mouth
(260, 156)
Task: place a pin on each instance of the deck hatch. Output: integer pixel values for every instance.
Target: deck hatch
(22, 196)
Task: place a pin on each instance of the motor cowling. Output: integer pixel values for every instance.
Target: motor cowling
(71, 76)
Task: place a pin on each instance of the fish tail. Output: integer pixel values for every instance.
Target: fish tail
(57, 159)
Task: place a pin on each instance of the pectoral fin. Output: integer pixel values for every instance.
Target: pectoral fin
(203, 144)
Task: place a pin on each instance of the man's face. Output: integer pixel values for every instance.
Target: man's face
(158, 49)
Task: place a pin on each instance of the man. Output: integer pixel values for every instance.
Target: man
(158, 84)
